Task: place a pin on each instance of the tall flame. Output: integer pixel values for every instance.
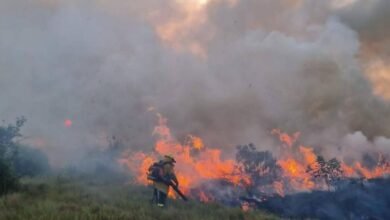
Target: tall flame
(295, 164)
(197, 164)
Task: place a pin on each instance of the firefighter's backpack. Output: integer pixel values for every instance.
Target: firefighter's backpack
(155, 171)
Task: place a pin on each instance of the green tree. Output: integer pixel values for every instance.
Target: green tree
(8, 153)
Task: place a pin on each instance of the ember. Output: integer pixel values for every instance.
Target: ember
(68, 123)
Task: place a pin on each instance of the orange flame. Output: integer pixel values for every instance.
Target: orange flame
(358, 170)
(285, 138)
(196, 142)
(192, 169)
(197, 164)
(294, 165)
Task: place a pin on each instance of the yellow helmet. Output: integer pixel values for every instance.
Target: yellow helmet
(169, 158)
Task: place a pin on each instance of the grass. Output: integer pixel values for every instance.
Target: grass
(75, 198)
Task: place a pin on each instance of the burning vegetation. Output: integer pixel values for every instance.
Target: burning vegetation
(253, 177)
(306, 81)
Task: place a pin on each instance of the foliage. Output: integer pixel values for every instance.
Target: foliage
(8, 147)
(8, 153)
(329, 171)
(30, 162)
(8, 179)
(260, 165)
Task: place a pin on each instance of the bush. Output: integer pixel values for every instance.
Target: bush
(8, 152)
(8, 179)
(329, 171)
(30, 162)
(261, 166)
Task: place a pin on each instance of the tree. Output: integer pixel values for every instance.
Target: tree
(8, 152)
(261, 166)
(328, 171)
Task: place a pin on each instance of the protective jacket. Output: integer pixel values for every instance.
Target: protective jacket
(167, 173)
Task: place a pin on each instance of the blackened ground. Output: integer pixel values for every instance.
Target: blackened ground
(356, 199)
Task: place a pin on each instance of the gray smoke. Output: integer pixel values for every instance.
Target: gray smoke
(268, 64)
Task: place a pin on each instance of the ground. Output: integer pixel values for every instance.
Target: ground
(64, 197)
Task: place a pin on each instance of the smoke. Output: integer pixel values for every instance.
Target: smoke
(227, 71)
(370, 20)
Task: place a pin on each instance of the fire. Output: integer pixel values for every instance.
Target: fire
(294, 165)
(203, 197)
(196, 142)
(285, 138)
(198, 164)
(296, 173)
(358, 170)
(139, 166)
(291, 167)
(348, 171)
(308, 154)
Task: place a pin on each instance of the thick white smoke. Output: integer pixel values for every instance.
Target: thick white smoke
(228, 71)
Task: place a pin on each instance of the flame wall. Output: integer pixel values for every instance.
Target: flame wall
(200, 168)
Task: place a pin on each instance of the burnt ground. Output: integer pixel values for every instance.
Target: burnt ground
(355, 199)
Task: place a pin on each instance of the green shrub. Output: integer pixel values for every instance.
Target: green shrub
(8, 152)
(30, 162)
(8, 179)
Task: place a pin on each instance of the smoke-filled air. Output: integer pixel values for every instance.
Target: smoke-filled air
(259, 101)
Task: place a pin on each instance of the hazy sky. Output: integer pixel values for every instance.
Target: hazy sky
(228, 71)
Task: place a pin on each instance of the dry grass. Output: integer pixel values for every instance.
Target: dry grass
(58, 198)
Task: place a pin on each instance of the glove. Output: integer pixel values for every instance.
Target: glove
(176, 182)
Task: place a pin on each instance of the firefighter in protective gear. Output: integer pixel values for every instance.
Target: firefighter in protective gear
(163, 173)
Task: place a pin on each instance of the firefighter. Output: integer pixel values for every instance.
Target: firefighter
(161, 173)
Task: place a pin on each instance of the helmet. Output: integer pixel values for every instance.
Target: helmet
(169, 158)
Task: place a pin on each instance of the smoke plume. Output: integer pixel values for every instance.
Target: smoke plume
(228, 71)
